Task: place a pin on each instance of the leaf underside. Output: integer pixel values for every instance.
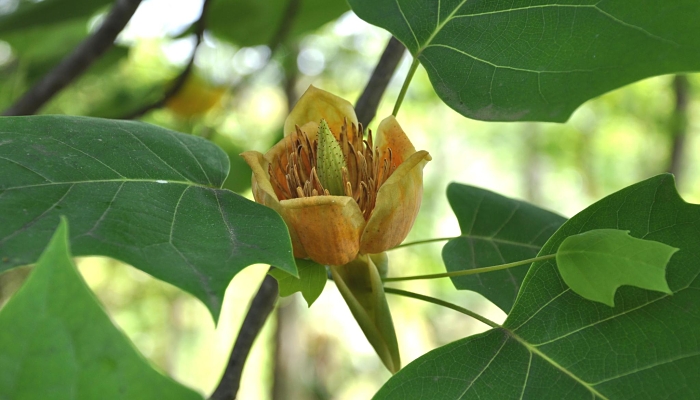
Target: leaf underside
(495, 230)
(525, 60)
(57, 343)
(135, 192)
(557, 345)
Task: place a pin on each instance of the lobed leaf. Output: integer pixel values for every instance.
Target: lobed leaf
(56, 342)
(495, 230)
(595, 263)
(525, 60)
(557, 345)
(135, 192)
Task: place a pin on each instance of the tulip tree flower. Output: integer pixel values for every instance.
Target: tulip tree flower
(381, 183)
(344, 198)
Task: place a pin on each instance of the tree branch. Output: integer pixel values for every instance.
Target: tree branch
(180, 80)
(277, 39)
(260, 309)
(77, 62)
(366, 106)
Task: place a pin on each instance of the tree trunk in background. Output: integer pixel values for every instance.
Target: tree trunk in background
(290, 355)
(679, 124)
(532, 160)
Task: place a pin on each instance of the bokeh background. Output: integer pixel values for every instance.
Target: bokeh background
(238, 97)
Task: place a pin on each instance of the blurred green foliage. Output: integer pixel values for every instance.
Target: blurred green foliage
(609, 143)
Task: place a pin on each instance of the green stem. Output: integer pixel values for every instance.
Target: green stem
(442, 303)
(470, 271)
(404, 88)
(423, 242)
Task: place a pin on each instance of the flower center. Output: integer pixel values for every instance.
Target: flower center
(295, 173)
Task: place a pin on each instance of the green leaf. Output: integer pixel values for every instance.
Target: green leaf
(31, 14)
(311, 281)
(595, 263)
(526, 60)
(56, 342)
(135, 192)
(495, 230)
(557, 345)
(253, 22)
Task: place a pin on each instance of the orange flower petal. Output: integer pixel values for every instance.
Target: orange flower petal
(390, 135)
(264, 194)
(315, 104)
(327, 227)
(398, 201)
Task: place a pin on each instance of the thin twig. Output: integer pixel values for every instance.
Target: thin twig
(180, 80)
(260, 309)
(78, 61)
(367, 104)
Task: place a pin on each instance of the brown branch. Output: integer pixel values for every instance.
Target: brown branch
(260, 309)
(180, 80)
(77, 62)
(679, 127)
(366, 106)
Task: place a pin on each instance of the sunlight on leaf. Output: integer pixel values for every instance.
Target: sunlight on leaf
(595, 263)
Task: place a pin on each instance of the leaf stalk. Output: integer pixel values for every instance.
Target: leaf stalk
(404, 88)
(470, 271)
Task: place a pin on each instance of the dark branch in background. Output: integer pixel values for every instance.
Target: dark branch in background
(77, 62)
(679, 123)
(285, 25)
(277, 39)
(366, 106)
(260, 309)
(180, 80)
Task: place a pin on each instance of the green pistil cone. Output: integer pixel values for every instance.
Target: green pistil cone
(329, 161)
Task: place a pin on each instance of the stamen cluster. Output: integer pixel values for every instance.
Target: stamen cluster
(294, 173)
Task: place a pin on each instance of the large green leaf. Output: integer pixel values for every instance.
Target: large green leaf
(595, 263)
(253, 22)
(557, 345)
(56, 342)
(30, 13)
(495, 230)
(136, 192)
(526, 60)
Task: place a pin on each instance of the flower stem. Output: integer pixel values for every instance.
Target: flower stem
(425, 241)
(404, 88)
(442, 303)
(470, 271)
